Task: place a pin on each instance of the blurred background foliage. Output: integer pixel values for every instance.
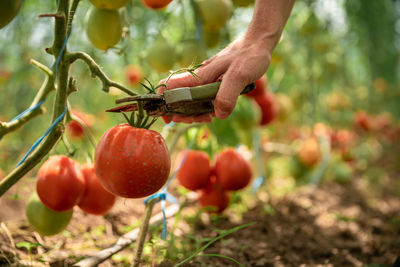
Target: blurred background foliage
(335, 57)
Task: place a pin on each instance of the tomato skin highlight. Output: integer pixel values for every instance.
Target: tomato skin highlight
(232, 171)
(60, 183)
(132, 162)
(45, 221)
(95, 200)
(156, 4)
(195, 172)
(214, 196)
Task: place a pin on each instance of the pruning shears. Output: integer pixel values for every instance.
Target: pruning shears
(186, 101)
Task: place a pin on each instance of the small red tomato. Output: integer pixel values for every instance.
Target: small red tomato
(132, 162)
(75, 129)
(60, 183)
(233, 172)
(156, 4)
(261, 87)
(268, 106)
(95, 200)
(363, 120)
(214, 197)
(310, 153)
(196, 170)
(134, 75)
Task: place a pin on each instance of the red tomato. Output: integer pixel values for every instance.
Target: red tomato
(156, 4)
(60, 183)
(261, 87)
(134, 75)
(214, 197)
(363, 120)
(95, 200)
(74, 129)
(233, 172)
(196, 170)
(132, 162)
(269, 108)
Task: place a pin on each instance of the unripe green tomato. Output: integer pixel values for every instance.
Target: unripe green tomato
(191, 53)
(342, 172)
(215, 13)
(45, 221)
(109, 4)
(243, 3)
(212, 37)
(8, 10)
(103, 27)
(162, 55)
(246, 113)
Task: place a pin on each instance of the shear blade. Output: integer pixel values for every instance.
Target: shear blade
(124, 108)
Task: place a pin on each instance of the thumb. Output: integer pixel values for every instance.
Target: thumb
(231, 87)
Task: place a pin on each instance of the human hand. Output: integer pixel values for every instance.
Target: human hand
(241, 63)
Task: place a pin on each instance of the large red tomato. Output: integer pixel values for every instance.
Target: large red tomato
(60, 183)
(95, 200)
(261, 87)
(196, 170)
(214, 197)
(269, 108)
(156, 4)
(132, 162)
(233, 172)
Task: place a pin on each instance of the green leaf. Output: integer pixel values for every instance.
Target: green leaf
(225, 132)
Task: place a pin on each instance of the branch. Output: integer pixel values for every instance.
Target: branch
(45, 89)
(96, 71)
(60, 31)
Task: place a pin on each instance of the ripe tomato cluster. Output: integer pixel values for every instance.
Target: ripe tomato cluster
(265, 100)
(61, 184)
(231, 172)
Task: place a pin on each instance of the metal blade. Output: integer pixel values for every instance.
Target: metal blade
(124, 108)
(148, 97)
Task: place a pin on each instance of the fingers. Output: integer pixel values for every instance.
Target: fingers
(231, 87)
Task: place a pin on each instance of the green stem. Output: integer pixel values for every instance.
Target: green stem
(60, 33)
(97, 72)
(137, 255)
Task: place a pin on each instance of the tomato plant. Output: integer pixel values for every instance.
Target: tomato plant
(213, 197)
(103, 27)
(44, 220)
(232, 171)
(95, 200)
(60, 183)
(132, 162)
(195, 172)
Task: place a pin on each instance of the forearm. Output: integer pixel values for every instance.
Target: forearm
(269, 19)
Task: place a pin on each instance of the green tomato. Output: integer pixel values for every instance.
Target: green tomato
(109, 4)
(243, 3)
(212, 37)
(162, 55)
(8, 10)
(45, 221)
(103, 27)
(342, 172)
(215, 13)
(191, 53)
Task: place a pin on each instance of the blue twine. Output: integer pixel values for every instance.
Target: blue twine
(57, 62)
(27, 110)
(43, 136)
(259, 181)
(164, 195)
